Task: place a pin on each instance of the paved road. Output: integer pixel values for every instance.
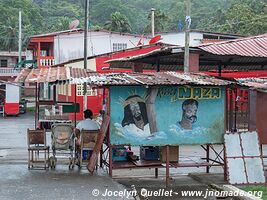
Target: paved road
(17, 182)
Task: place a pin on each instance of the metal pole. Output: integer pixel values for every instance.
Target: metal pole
(153, 22)
(85, 51)
(75, 106)
(167, 167)
(187, 37)
(208, 158)
(19, 36)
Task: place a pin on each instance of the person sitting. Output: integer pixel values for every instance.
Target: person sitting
(87, 124)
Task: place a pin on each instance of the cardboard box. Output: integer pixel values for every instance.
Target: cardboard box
(149, 153)
(173, 152)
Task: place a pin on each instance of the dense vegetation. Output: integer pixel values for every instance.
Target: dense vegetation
(246, 17)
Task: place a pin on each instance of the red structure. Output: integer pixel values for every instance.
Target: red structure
(95, 96)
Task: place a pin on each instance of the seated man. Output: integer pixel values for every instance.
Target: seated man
(86, 124)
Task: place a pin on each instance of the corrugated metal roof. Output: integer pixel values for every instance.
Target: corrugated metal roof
(150, 79)
(255, 46)
(259, 84)
(79, 76)
(51, 74)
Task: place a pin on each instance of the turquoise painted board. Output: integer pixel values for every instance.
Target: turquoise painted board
(168, 115)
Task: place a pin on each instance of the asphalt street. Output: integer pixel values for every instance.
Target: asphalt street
(17, 182)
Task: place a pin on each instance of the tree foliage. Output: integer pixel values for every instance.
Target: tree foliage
(246, 17)
(119, 23)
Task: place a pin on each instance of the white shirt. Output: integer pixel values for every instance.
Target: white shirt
(87, 124)
(132, 128)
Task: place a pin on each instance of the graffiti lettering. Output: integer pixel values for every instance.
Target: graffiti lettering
(196, 93)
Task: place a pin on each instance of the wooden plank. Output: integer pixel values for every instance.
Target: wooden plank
(97, 148)
(150, 107)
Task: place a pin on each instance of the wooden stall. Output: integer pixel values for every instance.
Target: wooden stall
(157, 112)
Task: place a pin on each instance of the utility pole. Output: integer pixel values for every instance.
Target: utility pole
(187, 37)
(153, 21)
(85, 51)
(19, 36)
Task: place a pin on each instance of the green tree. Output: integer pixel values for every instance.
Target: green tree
(9, 21)
(160, 21)
(119, 23)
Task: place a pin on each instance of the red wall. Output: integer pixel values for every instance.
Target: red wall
(261, 111)
(100, 61)
(95, 102)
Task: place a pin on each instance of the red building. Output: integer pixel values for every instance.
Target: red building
(98, 63)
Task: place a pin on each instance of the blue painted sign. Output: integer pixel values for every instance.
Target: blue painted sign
(168, 115)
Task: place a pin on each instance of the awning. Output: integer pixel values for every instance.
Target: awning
(240, 54)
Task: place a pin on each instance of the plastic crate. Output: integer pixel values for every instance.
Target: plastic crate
(86, 154)
(119, 154)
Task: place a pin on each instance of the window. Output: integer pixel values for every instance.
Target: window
(119, 46)
(90, 91)
(3, 63)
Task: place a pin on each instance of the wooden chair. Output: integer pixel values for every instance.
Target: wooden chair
(36, 145)
(88, 141)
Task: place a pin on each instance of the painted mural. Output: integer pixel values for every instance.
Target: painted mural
(168, 115)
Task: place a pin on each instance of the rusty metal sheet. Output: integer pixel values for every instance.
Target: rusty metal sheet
(245, 165)
(247, 140)
(236, 171)
(78, 76)
(255, 170)
(232, 145)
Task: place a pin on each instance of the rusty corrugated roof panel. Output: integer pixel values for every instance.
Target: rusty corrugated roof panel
(79, 76)
(255, 46)
(259, 84)
(52, 74)
(49, 75)
(150, 79)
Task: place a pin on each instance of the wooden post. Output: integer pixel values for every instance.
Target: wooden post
(252, 125)
(54, 94)
(75, 106)
(208, 158)
(225, 163)
(156, 172)
(150, 107)
(167, 167)
(110, 158)
(231, 111)
(226, 113)
(38, 98)
(35, 116)
(38, 54)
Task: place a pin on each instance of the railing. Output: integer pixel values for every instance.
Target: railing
(47, 61)
(9, 71)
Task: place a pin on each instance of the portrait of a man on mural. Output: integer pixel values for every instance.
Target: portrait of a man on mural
(135, 116)
(189, 114)
(177, 115)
